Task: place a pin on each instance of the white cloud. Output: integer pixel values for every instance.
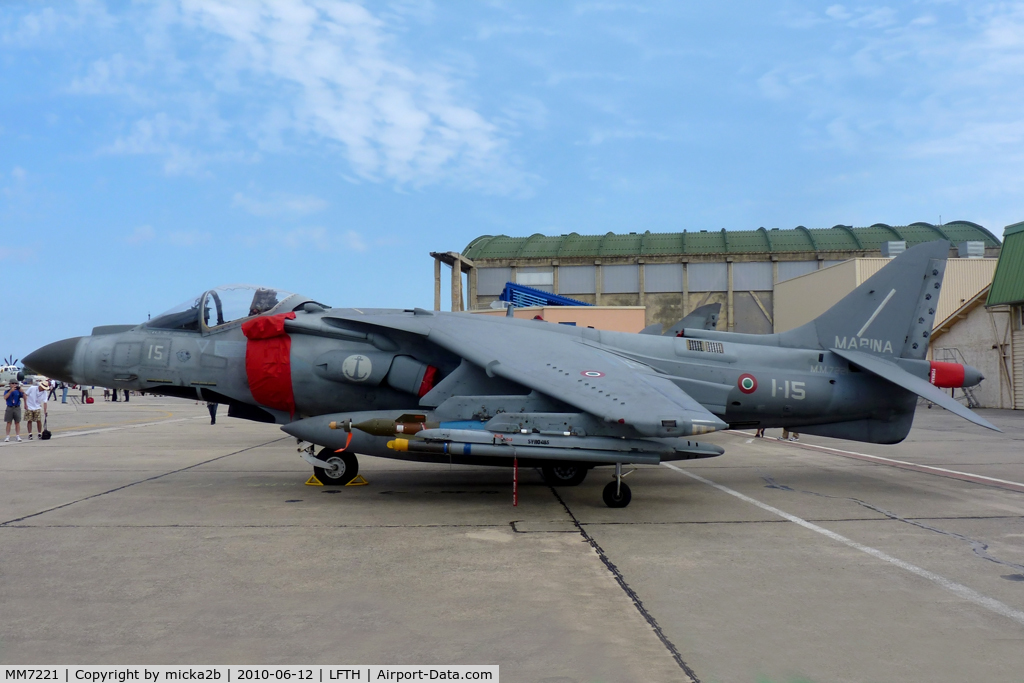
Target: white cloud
(938, 85)
(145, 234)
(188, 238)
(318, 238)
(279, 204)
(838, 12)
(141, 234)
(328, 75)
(18, 186)
(355, 242)
(166, 136)
(16, 253)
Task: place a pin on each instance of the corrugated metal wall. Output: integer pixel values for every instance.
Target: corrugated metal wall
(752, 276)
(1017, 357)
(490, 281)
(965, 278)
(802, 299)
(663, 277)
(708, 277)
(577, 279)
(541, 278)
(620, 279)
(791, 269)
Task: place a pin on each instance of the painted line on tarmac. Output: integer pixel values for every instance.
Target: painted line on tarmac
(101, 430)
(10, 522)
(912, 466)
(628, 590)
(957, 589)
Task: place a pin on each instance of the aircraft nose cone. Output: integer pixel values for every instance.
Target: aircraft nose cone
(54, 360)
(972, 376)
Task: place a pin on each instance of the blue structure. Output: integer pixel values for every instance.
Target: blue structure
(521, 296)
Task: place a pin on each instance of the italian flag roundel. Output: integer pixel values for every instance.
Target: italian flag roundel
(747, 383)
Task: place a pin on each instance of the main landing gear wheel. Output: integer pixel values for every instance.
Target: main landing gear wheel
(346, 468)
(619, 498)
(564, 474)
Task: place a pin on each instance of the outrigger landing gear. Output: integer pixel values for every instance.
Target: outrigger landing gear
(616, 494)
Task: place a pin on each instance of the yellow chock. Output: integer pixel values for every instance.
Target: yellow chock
(356, 481)
(313, 481)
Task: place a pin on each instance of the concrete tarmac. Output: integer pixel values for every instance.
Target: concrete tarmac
(142, 534)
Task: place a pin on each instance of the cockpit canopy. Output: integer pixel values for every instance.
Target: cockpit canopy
(224, 305)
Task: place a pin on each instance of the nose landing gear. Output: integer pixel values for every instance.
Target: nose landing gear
(331, 468)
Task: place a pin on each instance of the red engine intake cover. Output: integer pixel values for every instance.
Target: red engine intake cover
(946, 375)
(268, 361)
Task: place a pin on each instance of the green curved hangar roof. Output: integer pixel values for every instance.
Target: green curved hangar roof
(1008, 282)
(838, 238)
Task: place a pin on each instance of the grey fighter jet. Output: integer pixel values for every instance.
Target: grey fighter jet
(469, 389)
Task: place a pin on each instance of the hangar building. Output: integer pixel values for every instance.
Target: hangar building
(1005, 308)
(670, 274)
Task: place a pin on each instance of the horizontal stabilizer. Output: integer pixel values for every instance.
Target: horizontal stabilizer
(893, 373)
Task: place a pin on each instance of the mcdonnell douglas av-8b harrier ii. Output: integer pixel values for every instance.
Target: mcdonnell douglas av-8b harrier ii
(468, 389)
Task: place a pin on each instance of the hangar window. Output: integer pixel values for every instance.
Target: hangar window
(491, 281)
(663, 277)
(709, 277)
(791, 269)
(620, 279)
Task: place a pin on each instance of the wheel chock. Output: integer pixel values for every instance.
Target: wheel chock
(313, 481)
(356, 481)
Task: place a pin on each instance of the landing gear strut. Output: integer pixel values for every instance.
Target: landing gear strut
(616, 494)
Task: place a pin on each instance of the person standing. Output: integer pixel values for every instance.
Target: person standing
(53, 391)
(35, 406)
(125, 395)
(212, 407)
(85, 394)
(12, 413)
(63, 392)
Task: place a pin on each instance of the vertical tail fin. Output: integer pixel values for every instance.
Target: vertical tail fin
(891, 314)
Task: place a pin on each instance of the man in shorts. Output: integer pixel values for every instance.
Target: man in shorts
(12, 413)
(35, 406)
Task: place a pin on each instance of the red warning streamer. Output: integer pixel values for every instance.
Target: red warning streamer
(268, 361)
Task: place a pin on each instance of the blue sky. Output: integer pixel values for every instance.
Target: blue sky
(149, 151)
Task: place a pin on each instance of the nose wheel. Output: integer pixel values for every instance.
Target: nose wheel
(346, 467)
(617, 494)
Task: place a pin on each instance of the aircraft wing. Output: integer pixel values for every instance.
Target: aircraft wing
(901, 378)
(580, 374)
(559, 365)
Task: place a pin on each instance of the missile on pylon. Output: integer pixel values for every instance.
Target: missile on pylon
(406, 424)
